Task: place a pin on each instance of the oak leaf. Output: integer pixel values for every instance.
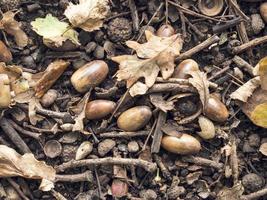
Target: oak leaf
(13, 27)
(88, 14)
(13, 164)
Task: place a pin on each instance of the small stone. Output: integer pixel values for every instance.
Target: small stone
(69, 152)
(33, 7)
(148, 194)
(254, 140)
(133, 147)
(99, 52)
(119, 29)
(99, 36)
(90, 47)
(105, 146)
(255, 26)
(175, 192)
(247, 148)
(252, 182)
(122, 147)
(29, 62)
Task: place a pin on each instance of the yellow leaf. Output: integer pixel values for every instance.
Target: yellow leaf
(263, 72)
(259, 115)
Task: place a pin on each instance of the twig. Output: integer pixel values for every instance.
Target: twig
(241, 63)
(250, 44)
(168, 87)
(17, 188)
(134, 15)
(116, 134)
(57, 195)
(213, 39)
(234, 161)
(149, 135)
(148, 166)
(254, 195)
(165, 172)
(220, 72)
(222, 27)
(13, 135)
(155, 147)
(73, 178)
(238, 10)
(124, 13)
(203, 162)
(194, 28)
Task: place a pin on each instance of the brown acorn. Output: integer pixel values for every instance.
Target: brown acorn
(216, 110)
(165, 31)
(134, 118)
(5, 96)
(98, 109)
(5, 55)
(263, 11)
(180, 143)
(184, 68)
(89, 75)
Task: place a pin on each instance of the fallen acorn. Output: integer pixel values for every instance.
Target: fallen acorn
(165, 31)
(263, 11)
(210, 8)
(184, 68)
(5, 55)
(5, 95)
(134, 118)
(49, 98)
(180, 143)
(98, 109)
(89, 75)
(207, 128)
(215, 109)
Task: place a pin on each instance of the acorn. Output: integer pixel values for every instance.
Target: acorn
(216, 110)
(165, 31)
(263, 11)
(99, 109)
(49, 98)
(89, 75)
(210, 8)
(184, 68)
(134, 118)
(180, 143)
(5, 55)
(5, 95)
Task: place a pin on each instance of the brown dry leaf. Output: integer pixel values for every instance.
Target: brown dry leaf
(200, 82)
(256, 107)
(13, 27)
(263, 72)
(13, 71)
(49, 76)
(246, 90)
(88, 14)
(13, 164)
(192, 177)
(79, 126)
(33, 105)
(233, 193)
(24, 97)
(138, 89)
(158, 101)
(263, 148)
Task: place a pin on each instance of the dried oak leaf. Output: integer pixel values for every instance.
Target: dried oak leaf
(256, 107)
(246, 90)
(138, 88)
(88, 14)
(49, 76)
(158, 101)
(54, 31)
(13, 27)
(13, 164)
(200, 82)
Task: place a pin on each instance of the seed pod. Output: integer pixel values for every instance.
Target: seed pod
(180, 144)
(184, 68)
(5, 55)
(263, 11)
(89, 75)
(119, 188)
(210, 8)
(207, 128)
(165, 31)
(134, 118)
(5, 96)
(84, 150)
(49, 98)
(98, 109)
(52, 148)
(216, 110)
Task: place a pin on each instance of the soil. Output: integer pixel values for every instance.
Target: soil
(190, 177)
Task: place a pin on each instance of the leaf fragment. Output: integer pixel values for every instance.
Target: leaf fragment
(54, 31)
(13, 27)
(263, 148)
(200, 82)
(88, 14)
(158, 101)
(263, 72)
(13, 164)
(138, 88)
(246, 90)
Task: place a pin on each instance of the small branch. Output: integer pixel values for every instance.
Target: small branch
(13, 135)
(17, 188)
(213, 39)
(169, 87)
(203, 162)
(134, 15)
(73, 178)
(222, 27)
(254, 195)
(116, 134)
(148, 166)
(165, 172)
(250, 44)
(241, 63)
(155, 147)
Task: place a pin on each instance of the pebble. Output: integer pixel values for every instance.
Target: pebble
(99, 52)
(252, 182)
(105, 146)
(133, 147)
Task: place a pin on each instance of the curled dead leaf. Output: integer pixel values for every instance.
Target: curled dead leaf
(49, 76)
(88, 14)
(13, 27)
(158, 101)
(13, 164)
